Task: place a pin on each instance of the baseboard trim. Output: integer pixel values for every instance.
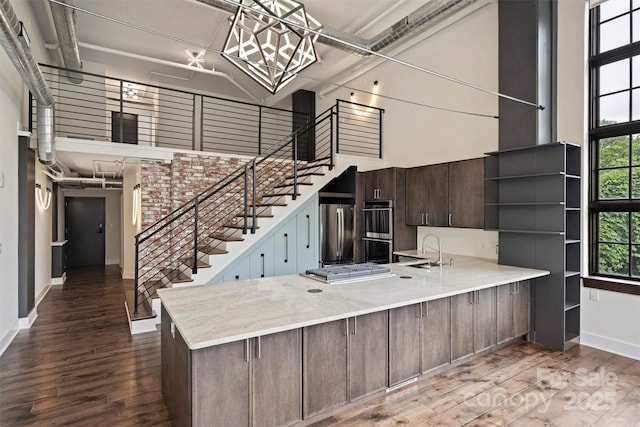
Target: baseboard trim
(128, 274)
(26, 322)
(56, 281)
(612, 346)
(43, 293)
(8, 338)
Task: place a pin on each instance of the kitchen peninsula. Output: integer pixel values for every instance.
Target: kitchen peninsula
(289, 349)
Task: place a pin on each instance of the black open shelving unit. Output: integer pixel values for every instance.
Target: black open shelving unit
(532, 198)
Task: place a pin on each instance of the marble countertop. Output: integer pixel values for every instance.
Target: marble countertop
(214, 314)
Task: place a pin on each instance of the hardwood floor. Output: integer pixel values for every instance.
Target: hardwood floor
(78, 365)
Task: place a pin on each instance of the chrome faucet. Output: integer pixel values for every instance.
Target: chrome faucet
(425, 246)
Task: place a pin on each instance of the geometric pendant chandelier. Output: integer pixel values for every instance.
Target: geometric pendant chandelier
(270, 51)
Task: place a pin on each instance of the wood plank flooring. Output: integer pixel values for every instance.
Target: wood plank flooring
(78, 365)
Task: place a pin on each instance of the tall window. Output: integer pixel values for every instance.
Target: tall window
(614, 208)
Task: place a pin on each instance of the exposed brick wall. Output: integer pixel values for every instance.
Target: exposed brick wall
(166, 187)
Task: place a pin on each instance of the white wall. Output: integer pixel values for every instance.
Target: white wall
(131, 177)
(43, 239)
(414, 135)
(612, 323)
(113, 228)
(13, 105)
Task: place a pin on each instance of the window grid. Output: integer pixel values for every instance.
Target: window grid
(615, 251)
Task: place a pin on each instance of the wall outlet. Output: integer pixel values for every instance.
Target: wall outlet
(594, 295)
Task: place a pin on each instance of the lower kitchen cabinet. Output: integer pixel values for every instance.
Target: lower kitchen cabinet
(404, 343)
(324, 361)
(436, 334)
(307, 238)
(239, 270)
(285, 249)
(253, 382)
(473, 322)
(368, 354)
(262, 260)
(220, 388)
(513, 310)
(277, 377)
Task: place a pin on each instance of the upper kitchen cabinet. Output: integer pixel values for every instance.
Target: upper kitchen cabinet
(446, 194)
(379, 184)
(427, 195)
(466, 193)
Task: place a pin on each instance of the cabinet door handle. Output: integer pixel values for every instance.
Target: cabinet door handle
(262, 256)
(355, 325)
(518, 288)
(426, 309)
(450, 219)
(286, 247)
(346, 327)
(420, 311)
(246, 350)
(471, 297)
(477, 297)
(258, 348)
(426, 219)
(308, 232)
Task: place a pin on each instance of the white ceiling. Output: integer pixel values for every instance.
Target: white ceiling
(200, 25)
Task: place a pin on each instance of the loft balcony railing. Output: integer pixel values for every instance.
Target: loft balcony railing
(106, 108)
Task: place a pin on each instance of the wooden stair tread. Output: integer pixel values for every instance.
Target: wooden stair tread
(188, 263)
(258, 215)
(176, 276)
(302, 175)
(291, 185)
(307, 167)
(225, 238)
(280, 194)
(144, 308)
(266, 205)
(239, 226)
(212, 251)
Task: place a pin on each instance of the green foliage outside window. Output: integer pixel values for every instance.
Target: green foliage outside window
(619, 231)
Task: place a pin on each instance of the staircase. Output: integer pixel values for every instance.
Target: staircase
(200, 238)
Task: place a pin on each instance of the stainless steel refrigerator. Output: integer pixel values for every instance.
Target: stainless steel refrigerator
(336, 233)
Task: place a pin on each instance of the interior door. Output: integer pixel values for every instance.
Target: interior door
(85, 231)
(129, 123)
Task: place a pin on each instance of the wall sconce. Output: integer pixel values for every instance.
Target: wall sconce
(136, 200)
(359, 110)
(45, 201)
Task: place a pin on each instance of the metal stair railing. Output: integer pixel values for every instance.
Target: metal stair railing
(174, 244)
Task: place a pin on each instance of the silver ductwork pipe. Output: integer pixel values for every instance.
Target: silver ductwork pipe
(352, 43)
(20, 55)
(64, 21)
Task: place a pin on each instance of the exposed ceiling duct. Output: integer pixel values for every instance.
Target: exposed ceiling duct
(19, 53)
(352, 43)
(64, 22)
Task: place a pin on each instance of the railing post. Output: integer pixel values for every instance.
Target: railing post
(295, 166)
(331, 140)
(121, 130)
(259, 129)
(193, 122)
(195, 237)
(253, 179)
(136, 278)
(380, 134)
(202, 123)
(338, 127)
(246, 197)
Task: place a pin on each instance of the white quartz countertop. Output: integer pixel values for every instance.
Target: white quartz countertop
(214, 314)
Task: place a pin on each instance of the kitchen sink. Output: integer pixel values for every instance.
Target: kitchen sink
(426, 264)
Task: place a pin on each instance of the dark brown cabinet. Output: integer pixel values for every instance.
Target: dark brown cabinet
(252, 382)
(427, 195)
(379, 184)
(473, 322)
(324, 355)
(446, 194)
(404, 343)
(436, 334)
(368, 354)
(466, 193)
(513, 310)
